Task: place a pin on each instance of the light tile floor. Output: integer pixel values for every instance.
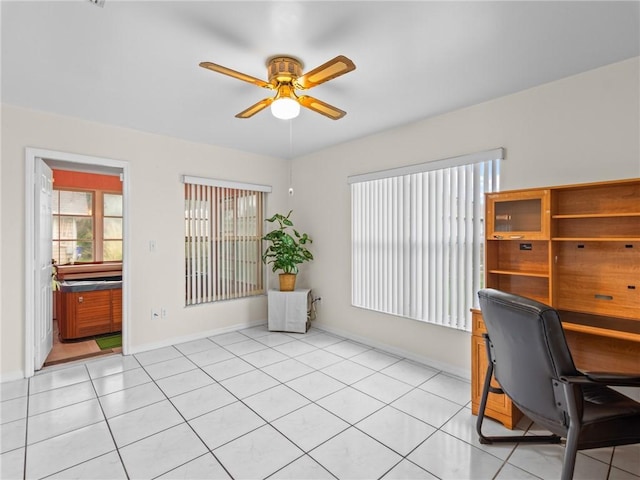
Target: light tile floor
(256, 404)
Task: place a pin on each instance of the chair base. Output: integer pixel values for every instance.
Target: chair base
(486, 440)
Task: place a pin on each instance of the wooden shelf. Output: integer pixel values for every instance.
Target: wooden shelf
(621, 328)
(596, 239)
(597, 215)
(521, 274)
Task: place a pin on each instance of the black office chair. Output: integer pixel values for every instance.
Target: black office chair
(529, 357)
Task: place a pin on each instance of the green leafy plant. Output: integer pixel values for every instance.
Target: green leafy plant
(55, 283)
(286, 248)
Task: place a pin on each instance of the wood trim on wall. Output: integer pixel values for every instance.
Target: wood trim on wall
(92, 181)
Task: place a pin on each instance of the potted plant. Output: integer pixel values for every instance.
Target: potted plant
(286, 250)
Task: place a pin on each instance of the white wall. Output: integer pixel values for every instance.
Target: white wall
(579, 129)
(583, 128)
(156, 213)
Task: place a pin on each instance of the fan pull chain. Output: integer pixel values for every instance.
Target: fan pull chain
(291, 158)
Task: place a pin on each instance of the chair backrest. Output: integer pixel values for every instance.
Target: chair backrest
(529, 350)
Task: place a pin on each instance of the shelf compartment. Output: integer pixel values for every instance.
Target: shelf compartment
(595, 349)
(536, 288)
(523, 257)
(597, 227)
(619, 197)
(621, 328)
(597, 277)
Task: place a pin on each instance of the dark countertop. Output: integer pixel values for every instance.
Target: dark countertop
(89, 285)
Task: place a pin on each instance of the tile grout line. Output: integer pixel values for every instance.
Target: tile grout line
(349, 424)
(26, 430)
(270, 423)
(106, 421)
(260, 369)
(185, 421)
(94, 423)
(416, 387)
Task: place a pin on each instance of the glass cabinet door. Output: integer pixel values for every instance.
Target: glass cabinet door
(518, 215)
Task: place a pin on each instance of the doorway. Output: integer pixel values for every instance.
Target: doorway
(37, 322)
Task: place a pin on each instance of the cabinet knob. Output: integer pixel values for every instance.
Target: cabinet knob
(80, 299)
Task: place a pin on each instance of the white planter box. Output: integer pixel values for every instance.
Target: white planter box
(289, 311)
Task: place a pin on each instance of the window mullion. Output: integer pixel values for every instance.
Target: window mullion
(98, 225)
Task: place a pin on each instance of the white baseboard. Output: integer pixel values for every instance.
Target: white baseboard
(196, 336)
(427, 361)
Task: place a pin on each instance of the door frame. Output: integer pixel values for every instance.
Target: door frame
(31, 252)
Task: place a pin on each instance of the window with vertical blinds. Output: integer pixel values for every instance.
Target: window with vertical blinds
(417, 237)
(223, 231)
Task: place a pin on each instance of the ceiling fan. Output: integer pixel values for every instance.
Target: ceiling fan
(285, 77)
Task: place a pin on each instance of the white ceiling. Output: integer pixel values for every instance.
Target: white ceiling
(135, 63)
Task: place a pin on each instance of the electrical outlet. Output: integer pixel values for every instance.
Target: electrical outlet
(163, 312)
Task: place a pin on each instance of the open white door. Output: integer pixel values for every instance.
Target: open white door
(38, 298)
(43, 238)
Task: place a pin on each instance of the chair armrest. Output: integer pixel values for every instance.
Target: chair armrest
(612, 378)
(605, 378)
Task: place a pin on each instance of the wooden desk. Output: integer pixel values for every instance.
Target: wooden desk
(597, 344)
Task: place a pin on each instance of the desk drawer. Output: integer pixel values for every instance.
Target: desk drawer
(477, 323)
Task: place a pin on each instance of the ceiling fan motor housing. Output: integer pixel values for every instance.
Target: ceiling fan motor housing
(283, 70)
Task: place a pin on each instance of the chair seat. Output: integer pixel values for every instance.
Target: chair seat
(609, 418)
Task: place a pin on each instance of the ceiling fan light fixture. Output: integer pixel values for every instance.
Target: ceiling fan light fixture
(285, 77)
(285, 108)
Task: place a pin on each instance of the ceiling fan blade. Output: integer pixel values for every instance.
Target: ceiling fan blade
(325, 72)
(321, 107)
(253, 109)
(232, 73)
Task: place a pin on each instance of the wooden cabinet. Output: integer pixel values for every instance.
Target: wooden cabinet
(116, 310)
(519, 214)
(84, 314)
(89, 301)
(519, 266)
(577, 248)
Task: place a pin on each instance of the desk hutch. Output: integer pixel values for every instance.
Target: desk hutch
(577, 248)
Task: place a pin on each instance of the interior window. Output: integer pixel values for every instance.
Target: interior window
(223, 231)
(87, 226)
